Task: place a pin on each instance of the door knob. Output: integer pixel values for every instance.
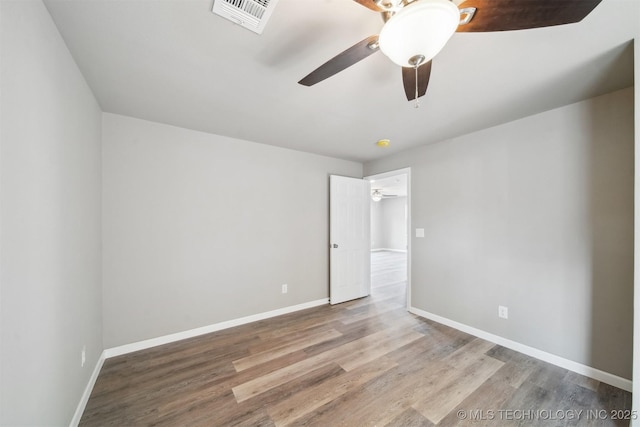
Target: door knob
(335, 246)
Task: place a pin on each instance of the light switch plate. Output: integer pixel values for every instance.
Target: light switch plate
(419, 232)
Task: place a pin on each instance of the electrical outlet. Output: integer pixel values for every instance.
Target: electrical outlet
(83, 356)
(503, 312)
(285, 288)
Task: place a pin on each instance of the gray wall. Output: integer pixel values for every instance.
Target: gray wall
(200, 228)
(536, 215)
(636, 317)
(50, 297)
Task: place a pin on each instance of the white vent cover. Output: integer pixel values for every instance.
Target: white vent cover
(251, 14)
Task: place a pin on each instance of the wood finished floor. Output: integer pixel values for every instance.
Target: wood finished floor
(364, 362)
(388, 268)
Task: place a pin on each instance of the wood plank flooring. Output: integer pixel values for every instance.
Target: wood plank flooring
(388, 268)
(361, 363)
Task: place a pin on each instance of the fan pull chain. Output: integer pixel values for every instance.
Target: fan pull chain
(416, 61)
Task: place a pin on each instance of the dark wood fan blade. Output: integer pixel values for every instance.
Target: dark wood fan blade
(343, 60)
(369, 4)
(505, 15)
(409, 80)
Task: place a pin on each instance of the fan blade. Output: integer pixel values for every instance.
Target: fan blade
(505, 15)
(409, 80)
(369, 4)
(343, 60)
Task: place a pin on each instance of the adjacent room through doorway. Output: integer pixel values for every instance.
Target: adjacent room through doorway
(389, 236)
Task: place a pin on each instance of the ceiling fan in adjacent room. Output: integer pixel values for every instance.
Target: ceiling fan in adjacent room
(416, 30)
(377, 195)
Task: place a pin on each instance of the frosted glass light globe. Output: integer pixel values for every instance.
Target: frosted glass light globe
(420, 28)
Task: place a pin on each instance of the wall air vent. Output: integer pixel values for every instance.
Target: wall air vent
(251, 14)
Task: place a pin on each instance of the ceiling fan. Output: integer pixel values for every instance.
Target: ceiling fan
(414, 31)
(377, 195)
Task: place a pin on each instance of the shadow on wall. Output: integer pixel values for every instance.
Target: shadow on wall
(611, 209)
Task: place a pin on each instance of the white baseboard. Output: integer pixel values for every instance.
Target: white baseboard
(87, 392)
(389, 250)
(166, 339)
(141, 345)
(579, 368)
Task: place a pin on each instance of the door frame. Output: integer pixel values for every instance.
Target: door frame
(405, 171)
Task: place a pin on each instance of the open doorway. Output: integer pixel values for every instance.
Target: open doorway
(390, 243)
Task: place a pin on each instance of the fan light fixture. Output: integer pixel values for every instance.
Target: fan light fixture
(376, 196)
(418, 31)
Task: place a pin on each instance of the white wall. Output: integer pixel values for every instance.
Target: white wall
(200, 228)
(394, 223)
(376, 225)
(389, 224)
(536, 215)
(50, 297)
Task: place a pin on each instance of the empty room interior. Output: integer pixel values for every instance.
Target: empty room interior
(285, 212)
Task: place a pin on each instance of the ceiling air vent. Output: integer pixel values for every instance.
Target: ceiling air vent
(251, 14)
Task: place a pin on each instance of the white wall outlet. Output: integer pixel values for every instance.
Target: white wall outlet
(503, 312)
(285, 288)
(83, 356)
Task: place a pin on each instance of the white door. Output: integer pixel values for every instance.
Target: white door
(350, 257)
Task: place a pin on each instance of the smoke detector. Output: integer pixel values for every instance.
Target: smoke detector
(250, 14)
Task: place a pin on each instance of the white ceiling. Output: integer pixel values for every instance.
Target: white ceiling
(175, 62)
